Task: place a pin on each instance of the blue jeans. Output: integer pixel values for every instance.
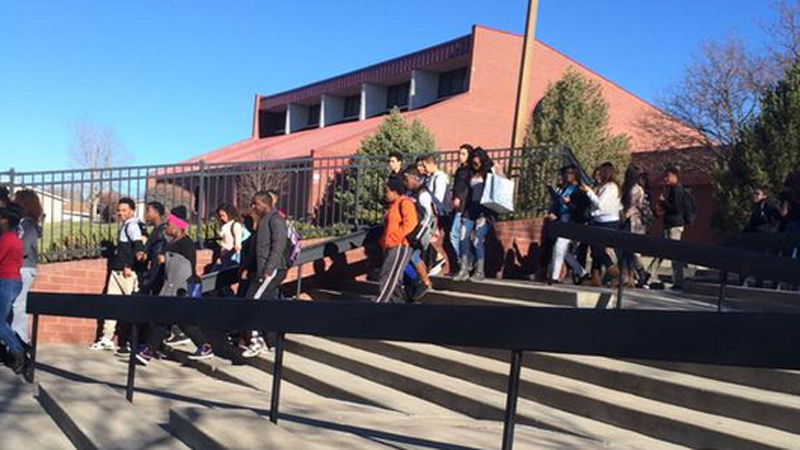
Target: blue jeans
(9, 290)
(479, 240)
(455, 234)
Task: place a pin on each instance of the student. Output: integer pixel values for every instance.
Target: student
(414, 185)
(637, 218)
(271, 264)
(230, 235)
(180, 271)
(395, 162)
(477, 219)
(459, 194)
(122, 279)
(152, 279)
(606, 208)
(11, 260)
(672, 204)
(562, 211)
(29, 231)
(438, 184)
(4, 197)
(765, 216)
(789, 199)
(400, 220)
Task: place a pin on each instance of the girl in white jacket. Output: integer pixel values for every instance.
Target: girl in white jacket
(606, 207)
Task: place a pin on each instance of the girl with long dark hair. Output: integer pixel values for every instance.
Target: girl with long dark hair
(606, 208)
(477, 219)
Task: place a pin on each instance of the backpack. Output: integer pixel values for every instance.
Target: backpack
(420, 236)
(689, 206)
(293, 246)
(444, 207)
(647, 214)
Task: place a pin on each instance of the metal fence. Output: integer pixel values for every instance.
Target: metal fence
(322, 196)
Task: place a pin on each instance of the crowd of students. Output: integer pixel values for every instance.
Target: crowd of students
(428, 221)
(158, 257)
(19, 238)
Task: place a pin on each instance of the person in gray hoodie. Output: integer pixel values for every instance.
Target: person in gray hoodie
(30, 232)
(271, 262)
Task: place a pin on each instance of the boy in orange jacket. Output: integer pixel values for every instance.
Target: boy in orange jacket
(399, 222)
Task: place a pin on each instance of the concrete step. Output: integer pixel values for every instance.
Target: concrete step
(213, 429)
(343, 385)
(23, 421)
(776, 380)
(94, 417)
(749, 298)
(467, 396)
(659, 420)
(765, 407)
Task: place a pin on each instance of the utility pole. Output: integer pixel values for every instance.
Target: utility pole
(523, 88)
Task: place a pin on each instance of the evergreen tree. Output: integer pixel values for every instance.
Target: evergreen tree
(369, 171)
(768, 150)
(572, 113)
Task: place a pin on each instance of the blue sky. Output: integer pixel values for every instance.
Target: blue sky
(178, 78)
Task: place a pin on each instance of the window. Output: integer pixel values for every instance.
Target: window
(452, 82)
(397, 95)
(313, 115)
(271, 123)
(352, 106)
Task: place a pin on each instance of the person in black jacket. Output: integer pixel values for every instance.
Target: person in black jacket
(765, 216)
(270, 262)
(460, 194)
(672, 206)
(122, 278)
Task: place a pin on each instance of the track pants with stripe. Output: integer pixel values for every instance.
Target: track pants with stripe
(394, 262)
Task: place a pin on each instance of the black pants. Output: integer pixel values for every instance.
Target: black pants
(394, 263)
(600, 257)
(268, 288)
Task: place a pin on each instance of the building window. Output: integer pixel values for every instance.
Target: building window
(352, 106)
(313, 115)
(397, 95)
(452, 82)
(271, 123)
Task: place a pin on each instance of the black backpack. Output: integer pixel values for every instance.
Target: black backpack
(417, 236)
(689, 206)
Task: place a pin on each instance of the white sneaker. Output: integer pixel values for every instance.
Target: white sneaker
(103, 344)
(258, 347)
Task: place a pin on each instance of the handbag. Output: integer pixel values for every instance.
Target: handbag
(498, 194)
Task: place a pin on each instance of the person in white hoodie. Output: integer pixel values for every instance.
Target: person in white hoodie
(606, 207)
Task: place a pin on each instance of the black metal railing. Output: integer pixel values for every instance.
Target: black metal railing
(725, 259)
(323, 196)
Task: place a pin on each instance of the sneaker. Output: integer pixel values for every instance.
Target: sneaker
(203, 352)
(177, 339)
(123, 351)
(436, 269)
(143, 357)
(257, 347)
(103, 344)
(421, 291)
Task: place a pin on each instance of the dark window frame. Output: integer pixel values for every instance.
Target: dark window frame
(453, 82)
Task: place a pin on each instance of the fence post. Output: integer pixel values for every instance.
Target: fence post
(277, 373)
(134, 337)
(201, 187)
(11, 180)
(723, 284)
(34, 345)
(511, 400)
(358, 193)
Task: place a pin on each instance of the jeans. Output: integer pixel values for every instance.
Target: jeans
(481, 228)
(455, 234)
(9, 290)
(20, 323)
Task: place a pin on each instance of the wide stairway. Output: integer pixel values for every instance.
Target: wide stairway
(347, 394)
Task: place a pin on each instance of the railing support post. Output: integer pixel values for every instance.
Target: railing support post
(357, 209)
(511, 400)
(623, 267)
(134, 345)
(201, 197)
(299, 281)
(277, 373)
(723, 284)
(34, 345)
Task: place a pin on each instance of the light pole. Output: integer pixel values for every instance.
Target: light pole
(525, 68)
